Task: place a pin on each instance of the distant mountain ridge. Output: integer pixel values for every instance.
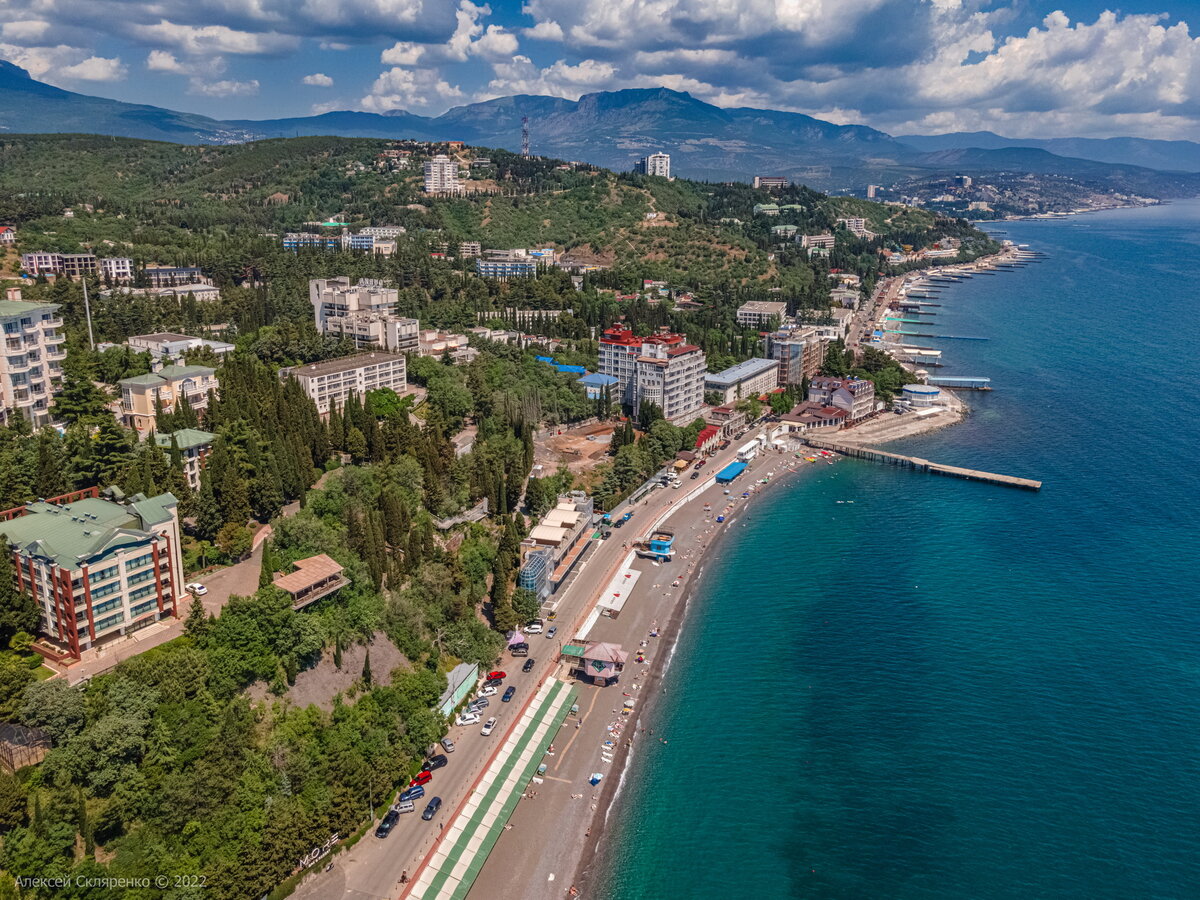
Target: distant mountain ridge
(614, 128)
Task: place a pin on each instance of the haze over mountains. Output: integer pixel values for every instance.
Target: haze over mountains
(614, 128)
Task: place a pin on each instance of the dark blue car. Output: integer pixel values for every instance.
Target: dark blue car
(412, 793)
(431, 810)
(508, 695)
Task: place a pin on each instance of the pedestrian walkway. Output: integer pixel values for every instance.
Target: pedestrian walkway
(474, 831)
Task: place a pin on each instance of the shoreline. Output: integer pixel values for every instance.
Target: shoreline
(592, 855)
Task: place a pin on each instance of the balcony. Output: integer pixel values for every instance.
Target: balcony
(55, 322)
(54, 337)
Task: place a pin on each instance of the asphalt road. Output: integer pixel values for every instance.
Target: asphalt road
(372, 869)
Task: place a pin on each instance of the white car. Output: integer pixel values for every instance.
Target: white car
(468, 719)
(488, 726)
(488, 692)
(533, 628)
(197, 588)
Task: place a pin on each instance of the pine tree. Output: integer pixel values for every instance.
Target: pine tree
(18, 611)
(50, 479)
(197, 624)
(366, 672)
(209, 518)
(269, 565)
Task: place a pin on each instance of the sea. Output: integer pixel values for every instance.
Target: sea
(898, 686)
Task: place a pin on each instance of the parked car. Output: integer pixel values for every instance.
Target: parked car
(468, 718)
(695, 475)
(412, 793)
(487, 727)
(508, 695)
(421, 778)
(552, 632)
(493, 682)
(404, 807)
(478, 704)
(431, 810)
(388, 823)
(197, 588)
(498, 675)
(521, 649)
(434, 762)
(534, 627)
(528, 667)
(488, 692)
(448, 745)
(618, 523)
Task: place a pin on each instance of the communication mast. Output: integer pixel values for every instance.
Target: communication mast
(525, 136)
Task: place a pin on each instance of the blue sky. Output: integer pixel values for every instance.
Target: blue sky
(1023, 68)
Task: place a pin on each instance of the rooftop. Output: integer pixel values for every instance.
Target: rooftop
(345, 363)
(186, 438)
(742, 371)
(166, 374)
(597, 380)
(23, 307)
(72, 533)
(163, 337)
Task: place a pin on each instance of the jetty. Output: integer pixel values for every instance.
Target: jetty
(960, 382)
(923, 465)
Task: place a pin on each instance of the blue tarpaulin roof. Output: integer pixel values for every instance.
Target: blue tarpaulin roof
(598, 380)
(730, 472)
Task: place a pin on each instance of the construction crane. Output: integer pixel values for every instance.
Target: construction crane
(525, 136)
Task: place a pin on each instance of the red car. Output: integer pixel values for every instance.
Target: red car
(422, 778)
(500, 675)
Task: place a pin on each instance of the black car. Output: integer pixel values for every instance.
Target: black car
(528, 667)
(493, 682)
(388, 823)
(618, 523)
(508, 695)
(431, 810)
(434, 762)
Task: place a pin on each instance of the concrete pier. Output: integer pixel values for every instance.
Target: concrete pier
(924, 465)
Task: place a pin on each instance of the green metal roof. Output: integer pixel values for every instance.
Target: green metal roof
(167, 373)
(186, 438)
(72, 533)
(23, 307)
(142, 379)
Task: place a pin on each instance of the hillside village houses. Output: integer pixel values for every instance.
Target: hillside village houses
(97, 567)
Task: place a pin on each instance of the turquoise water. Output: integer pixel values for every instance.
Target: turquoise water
(953, 690)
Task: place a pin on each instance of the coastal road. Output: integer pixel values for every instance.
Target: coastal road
(372, 869)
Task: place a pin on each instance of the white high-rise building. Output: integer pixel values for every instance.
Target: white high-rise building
(441, 176)
(655, 164)
(30, 357)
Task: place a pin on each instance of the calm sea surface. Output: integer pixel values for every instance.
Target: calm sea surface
(952, 690)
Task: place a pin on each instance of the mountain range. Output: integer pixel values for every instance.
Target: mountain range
(614, 128)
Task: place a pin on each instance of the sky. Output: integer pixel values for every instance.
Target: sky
(1021, 68)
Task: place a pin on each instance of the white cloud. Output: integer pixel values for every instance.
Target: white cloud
(202, 39)
(95, 68)
(24, 30)
(318, 79)
(333, 45)
(470, 38)
(545, 31)
(223, 88)
(522, 76)
(400, 88)
(402, 53)
(163, 61)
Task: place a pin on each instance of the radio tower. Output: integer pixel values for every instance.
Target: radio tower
(525, 136)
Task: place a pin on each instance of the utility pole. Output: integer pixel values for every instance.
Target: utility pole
(525, 136)
(87, 311)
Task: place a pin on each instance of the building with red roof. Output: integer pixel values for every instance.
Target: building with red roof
(660, 368)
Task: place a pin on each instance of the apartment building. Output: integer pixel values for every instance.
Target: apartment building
(304, 240)
(662, 369)
(556, 544)
(169, 345)
(441, 176)
(857, 226)
(384, 231)
(31, 357)
(334, 380)
(70, 264)
(117, 268)
(504, 264)
(362, 312)
(757, 313)
(799, 352)
(173, 276)
(97, 567)
(655, 164)
(194, 446)
(167, 386)
(856, 396)
(750, 378)
(823, 241)
(770, 182)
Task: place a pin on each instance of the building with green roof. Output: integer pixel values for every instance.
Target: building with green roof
(194, 446)
(167, 386)
(97, 567)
